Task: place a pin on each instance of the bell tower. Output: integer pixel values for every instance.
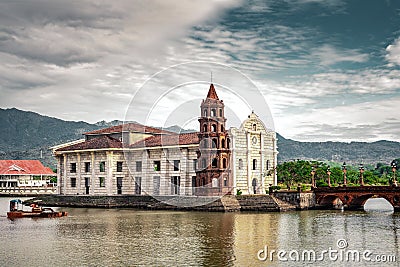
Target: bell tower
(213, 156)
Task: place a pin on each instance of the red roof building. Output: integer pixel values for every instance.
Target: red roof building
(28, 177)
(24, 167)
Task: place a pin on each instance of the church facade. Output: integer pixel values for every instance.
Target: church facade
(134, 159)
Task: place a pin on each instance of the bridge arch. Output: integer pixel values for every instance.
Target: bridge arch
(358, 202)
(330, 201)
(354, 198)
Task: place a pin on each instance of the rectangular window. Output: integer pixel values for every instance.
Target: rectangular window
(73, 167)
(87, 166)
(225, 181)
(138, 166)
(119, 166)
(157, 166)
(176, 165)
(73, 182)
(240, 164)
(102, 166)
(102, 182)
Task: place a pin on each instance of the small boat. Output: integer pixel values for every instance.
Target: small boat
(16, 211)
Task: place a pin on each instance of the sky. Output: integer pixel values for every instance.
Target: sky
(313, 70)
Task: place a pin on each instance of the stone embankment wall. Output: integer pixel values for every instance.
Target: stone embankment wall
(302, 200)
(226, 203)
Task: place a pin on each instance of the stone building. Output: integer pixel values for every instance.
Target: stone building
(134, 159)
(254, 157)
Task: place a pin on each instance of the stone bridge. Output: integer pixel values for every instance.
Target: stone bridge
(354, 197)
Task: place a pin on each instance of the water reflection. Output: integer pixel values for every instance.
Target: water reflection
(99, 237)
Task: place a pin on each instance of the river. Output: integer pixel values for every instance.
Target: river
(123, 237)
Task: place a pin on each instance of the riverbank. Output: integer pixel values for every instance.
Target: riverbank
(272, 203)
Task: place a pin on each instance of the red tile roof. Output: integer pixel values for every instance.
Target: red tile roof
(168, 140)
(212, 93)
(24, 167)
(95, 143)
(132, 127)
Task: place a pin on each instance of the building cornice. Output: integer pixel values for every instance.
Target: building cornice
(124, 149)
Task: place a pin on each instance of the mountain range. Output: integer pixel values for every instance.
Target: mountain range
(28, 135)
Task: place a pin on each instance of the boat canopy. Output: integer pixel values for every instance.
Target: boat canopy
(19, 201)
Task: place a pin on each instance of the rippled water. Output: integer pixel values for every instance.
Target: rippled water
(118, 237)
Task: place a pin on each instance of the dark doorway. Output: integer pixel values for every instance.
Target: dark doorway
(87, 185)
(193, 185)
(254, 184)
(175, 185)
(119, 185)
(138, 185)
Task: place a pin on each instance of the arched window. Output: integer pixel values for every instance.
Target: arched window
(223, 143)
(267, 165)
(214, 163)
(205, 113)
(224, 162)
(254, 164)
(220, 112)
(213, 112)
(222, 128)
(214, 182)
(228, 143)
(205, 128)
(240, 164)
(214, 128)
(254, 127)
(214, 143)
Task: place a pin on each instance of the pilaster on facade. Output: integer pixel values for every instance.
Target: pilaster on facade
(60, 173)
(262, 163)
(164, 174)
(110, 167)
(233, 161)
(185, 171)
(92, 173)
(78, 173)
(248, 154)
(65, 175)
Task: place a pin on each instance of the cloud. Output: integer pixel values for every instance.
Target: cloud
(367, 121)
(329, 55)
(69, 57)
(84, 60)
(393, 53)
(66, 33)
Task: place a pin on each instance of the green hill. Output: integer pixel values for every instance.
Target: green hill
(353, 152)
(28, 135)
